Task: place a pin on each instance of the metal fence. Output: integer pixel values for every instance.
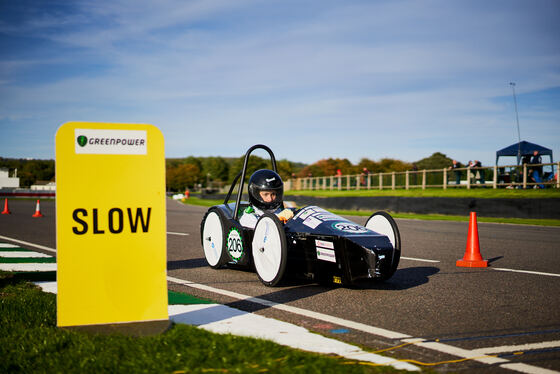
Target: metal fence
(507, 176)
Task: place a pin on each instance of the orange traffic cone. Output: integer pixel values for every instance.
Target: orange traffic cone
(6, 209)
(37, 210)
(472, 258)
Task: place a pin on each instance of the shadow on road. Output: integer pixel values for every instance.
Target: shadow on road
(187, 264)
(403, 279)
(282, 296)
(490, 260)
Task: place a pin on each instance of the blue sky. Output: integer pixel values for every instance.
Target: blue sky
(311, 79)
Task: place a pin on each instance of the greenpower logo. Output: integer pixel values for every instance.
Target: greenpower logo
(82, 140)
(110, 142)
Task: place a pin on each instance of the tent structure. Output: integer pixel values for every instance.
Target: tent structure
(521, 149)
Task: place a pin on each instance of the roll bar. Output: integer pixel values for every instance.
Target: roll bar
(242, 175)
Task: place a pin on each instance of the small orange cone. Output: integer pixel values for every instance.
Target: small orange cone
(6, 209)
(472, 258)
(37, 211)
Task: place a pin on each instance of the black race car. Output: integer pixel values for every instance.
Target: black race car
(315, 243)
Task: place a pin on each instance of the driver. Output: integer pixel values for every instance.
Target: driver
(266, 191)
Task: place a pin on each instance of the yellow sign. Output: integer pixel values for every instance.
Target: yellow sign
(110, 224)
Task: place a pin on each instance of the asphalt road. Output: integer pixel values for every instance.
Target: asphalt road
(455, 310)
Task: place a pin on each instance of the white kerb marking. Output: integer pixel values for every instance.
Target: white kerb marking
(303, 312)
(23, 254)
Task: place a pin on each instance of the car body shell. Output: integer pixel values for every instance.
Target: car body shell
(321, 246)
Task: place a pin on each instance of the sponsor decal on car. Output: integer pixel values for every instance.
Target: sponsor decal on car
(304, 213)
(312, 222)
(349, 227)
(313, 216)
(325, 250)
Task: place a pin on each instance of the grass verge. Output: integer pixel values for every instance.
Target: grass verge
(30, 342)
(427, 217)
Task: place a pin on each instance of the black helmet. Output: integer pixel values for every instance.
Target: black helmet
(265, 180)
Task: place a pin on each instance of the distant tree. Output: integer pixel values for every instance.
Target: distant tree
(328, 167)
(383, 166)
(30, 171)
(389, 164)
(371, 166)
(436, 161)
(173, 162)
(181, 177)
(216, 168)
(255, 163)
(285, 169)
(196, 161)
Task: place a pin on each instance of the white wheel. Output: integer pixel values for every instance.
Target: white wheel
(382, 223)
(213, 239)
(270, 250)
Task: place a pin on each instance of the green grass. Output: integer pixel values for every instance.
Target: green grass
(429, 217)
(30, 342)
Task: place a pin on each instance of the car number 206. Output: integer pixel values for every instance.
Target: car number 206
(235, 244)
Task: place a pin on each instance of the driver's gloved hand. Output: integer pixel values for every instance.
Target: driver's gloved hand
(285, 215)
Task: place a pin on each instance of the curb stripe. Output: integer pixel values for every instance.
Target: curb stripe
(307, 313)
(27, 260)
(29, 244)
(15, 249)
(28, 267)
(23, 254)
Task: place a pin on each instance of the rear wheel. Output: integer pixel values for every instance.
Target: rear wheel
(213, 239)
(270, 249)
(383, 223)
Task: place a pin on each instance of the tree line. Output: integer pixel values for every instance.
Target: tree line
(214, 172)
(29, 172)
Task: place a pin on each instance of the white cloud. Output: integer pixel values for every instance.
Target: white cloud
(399, 79)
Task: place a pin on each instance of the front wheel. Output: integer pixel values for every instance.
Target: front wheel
(213, 238)
(383, 223)
(270, 249)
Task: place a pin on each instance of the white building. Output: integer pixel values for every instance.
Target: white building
(6, 181)
(44, 186)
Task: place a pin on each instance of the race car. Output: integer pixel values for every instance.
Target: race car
(315, 243)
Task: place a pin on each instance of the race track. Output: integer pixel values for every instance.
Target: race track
(449, 313)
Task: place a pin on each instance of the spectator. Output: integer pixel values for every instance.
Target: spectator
(470, 175)
(479, 172)
(365, 173)
(536, 170)
(525, 161)
(457, 172)
(337, 177)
